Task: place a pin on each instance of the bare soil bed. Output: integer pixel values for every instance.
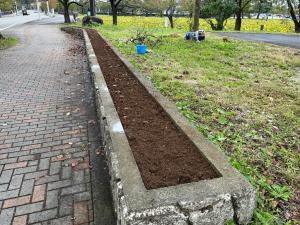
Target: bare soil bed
(164, 154)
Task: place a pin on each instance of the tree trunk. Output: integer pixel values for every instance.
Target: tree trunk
(66, 14)
(239, 12)
(171, 21)
(196, 15)
(297, 27)
(293, 15)
(115, 15)
(258, 14)
(259, 9)
(1, 37)
(220, 25)
(92, 7)
(212, 25)
(238, 21)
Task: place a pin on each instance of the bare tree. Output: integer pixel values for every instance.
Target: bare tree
(196, 15)
(216, 12)
(114, 9)
(293, 8)
(66, 4)
(167, 7)
(171, 8)
(241, 5)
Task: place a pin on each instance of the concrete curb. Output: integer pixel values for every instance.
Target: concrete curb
(103, 210)
(215, 201)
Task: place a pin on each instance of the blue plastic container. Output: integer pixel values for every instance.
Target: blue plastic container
(141, 49)
(188, 36)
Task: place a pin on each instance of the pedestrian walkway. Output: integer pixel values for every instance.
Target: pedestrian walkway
(48, 131)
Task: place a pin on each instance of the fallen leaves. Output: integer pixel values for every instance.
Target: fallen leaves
(85, 147)
(76, 110)
(74, 163)
(275, 129)
(93, 122)
(82, 166)
(100, 151)
(274, 204)
(61, 157)
(270, 182)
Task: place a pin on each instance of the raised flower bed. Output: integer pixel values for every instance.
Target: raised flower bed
(162, 170)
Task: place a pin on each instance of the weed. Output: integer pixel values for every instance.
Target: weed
(8, 42)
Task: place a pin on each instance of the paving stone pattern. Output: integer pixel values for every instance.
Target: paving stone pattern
(44, 140)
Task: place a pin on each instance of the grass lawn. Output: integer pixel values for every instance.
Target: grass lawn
(8, 42)
(242, 96)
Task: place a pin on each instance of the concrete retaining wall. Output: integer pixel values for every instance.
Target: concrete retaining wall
(215, 201)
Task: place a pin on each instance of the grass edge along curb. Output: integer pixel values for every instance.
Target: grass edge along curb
(8, 42)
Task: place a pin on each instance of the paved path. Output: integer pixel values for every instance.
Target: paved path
(292, 41)
(48, 133)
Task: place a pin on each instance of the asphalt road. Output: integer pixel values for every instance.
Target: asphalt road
(292, 41)
(10, 21)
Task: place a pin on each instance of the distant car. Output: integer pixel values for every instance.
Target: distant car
(24, 12)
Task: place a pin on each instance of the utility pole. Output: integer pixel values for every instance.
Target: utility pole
(48, 11)
(93, 7)
(38, 8)
(16, 7)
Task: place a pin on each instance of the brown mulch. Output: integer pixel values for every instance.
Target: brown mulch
(164, 154)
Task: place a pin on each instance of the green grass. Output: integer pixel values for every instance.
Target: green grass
(240, 95)
(8, 42)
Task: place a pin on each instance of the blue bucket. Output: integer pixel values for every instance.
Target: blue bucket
(188, 35)
(141, 49)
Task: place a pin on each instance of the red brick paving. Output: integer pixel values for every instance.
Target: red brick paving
(20, 220)
(43, 128)
(16, 201)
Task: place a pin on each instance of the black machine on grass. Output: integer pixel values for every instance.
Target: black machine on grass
(196, 36)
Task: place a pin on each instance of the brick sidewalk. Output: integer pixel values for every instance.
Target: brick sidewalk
(46, 110)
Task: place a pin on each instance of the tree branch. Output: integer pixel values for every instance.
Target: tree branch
(299, 10)
(292, 11)
(76, 3)
(247, 3)
(118, 2)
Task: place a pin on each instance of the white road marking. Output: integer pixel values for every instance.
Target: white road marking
(8, 26)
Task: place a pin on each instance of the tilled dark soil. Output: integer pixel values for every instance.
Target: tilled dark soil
(164, 154)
